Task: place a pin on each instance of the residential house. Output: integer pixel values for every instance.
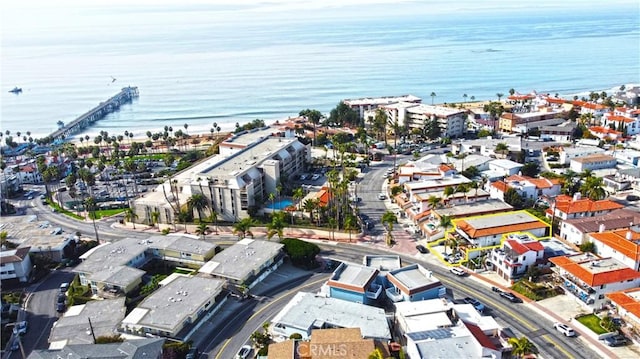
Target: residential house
(622, 245)
(413, 283)
(355, 283)
(475, 234)
(246, 262)
(606, 133)
(627, 305)
(592, 163)
(596, 110)
(503, 168)
(519, 253)
(173, 308)
(15, 264)
(527, 187)
(577, 230)
(589, 278)
(567, 207)
(306, 312)
(486, 146)
(627, 156)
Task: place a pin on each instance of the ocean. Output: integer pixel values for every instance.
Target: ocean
(197, 63)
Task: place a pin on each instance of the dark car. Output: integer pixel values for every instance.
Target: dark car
(510, 297)
(632, 198)
(422, 249)
(62, 299)
(193, 353)
(61, 307)
(616, 340)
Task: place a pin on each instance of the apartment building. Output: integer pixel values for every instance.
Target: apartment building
(592, 163)
(627, 305)
(452, 121)
(567, 207)
(622, 245)
(366, 104)
(589, 278)
(15, 264)
(529, 188)
(577, 230)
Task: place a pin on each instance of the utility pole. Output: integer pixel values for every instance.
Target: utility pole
(91, 328)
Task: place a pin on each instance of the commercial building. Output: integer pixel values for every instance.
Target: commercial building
(519, 253)
(592, 163)
(478, 233)
(130, 349)
(589, 278)
(438, 328)
(328, 343)
(413, 283)
(15, 264)
(307, 312)
(242, 176)
(173, 307)
(355, 283)
(246, 262)
(71, 328)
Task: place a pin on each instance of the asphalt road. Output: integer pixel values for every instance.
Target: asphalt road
(41, 312)
(226, 341)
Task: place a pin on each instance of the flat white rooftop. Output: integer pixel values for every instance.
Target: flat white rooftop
(501, 219)
(306, 311)
(415, 277)
(437, 182)
(382, 262)
(381, 100)
(353, 275)
(470, 209)
(170, 305)
(439, 111)
(242, 259)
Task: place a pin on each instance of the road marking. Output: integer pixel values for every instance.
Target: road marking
(560, 348)
(267, 306)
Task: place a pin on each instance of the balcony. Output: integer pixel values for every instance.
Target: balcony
(392, 293)
(374, 291)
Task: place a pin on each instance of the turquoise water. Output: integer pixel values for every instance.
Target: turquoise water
(279, 205)
(203, 63)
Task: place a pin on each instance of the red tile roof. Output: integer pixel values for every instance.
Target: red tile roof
(567, 205)
(625, 301)
(498, 229)
(482, 338)
(618, 241)
(534, 246)
(594, 279)
(604, 130)
(621, 119)
(501, 186)
(517, 247)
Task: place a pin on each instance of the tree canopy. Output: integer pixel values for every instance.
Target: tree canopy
(301, 253)
(343, 115)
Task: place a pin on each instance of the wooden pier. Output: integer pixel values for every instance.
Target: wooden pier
(98, 112)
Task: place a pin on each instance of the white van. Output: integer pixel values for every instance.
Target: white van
(457, 271)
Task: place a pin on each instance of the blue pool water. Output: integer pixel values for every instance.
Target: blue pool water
(281, 204)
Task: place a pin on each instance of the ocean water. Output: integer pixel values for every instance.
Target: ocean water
(199, 63)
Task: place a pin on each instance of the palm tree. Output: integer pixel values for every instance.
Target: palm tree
(202, 229)
(464, 96)
(90, 204)
(198, 202)
(448, 192)
(242, 228)
(277, 225)
(502, 148)
(434, 201)
(522, 346)
(433, 96)
(130, 216)
(445, 224)
(272, 198)
(388, 220)
(592, 187)
(499, 96)
(349, 225)
(310, 206)
(213, 217)
(155, 215)
(298, 195)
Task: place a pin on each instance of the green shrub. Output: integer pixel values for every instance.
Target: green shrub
(301, 253)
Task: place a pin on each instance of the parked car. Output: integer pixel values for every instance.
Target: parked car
(510, 297)
(20, 328)
(193, 353)
(476, 304)
(422, 249)
(244, 352)
(382, 196)
(632, 198)
(61, 307)
(61, 298)
(616, 340)
(566, 330)
(457, 271)
(315, 177)
(64, 287)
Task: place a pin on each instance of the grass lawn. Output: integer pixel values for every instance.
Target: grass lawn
(592, 322)
(108, 212)
(64, 211)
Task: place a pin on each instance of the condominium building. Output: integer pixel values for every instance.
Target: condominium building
(452, 121)
(622, 245)
(242, 176)
(367, 104)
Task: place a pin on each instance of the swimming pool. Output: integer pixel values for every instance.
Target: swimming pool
(279, 205)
